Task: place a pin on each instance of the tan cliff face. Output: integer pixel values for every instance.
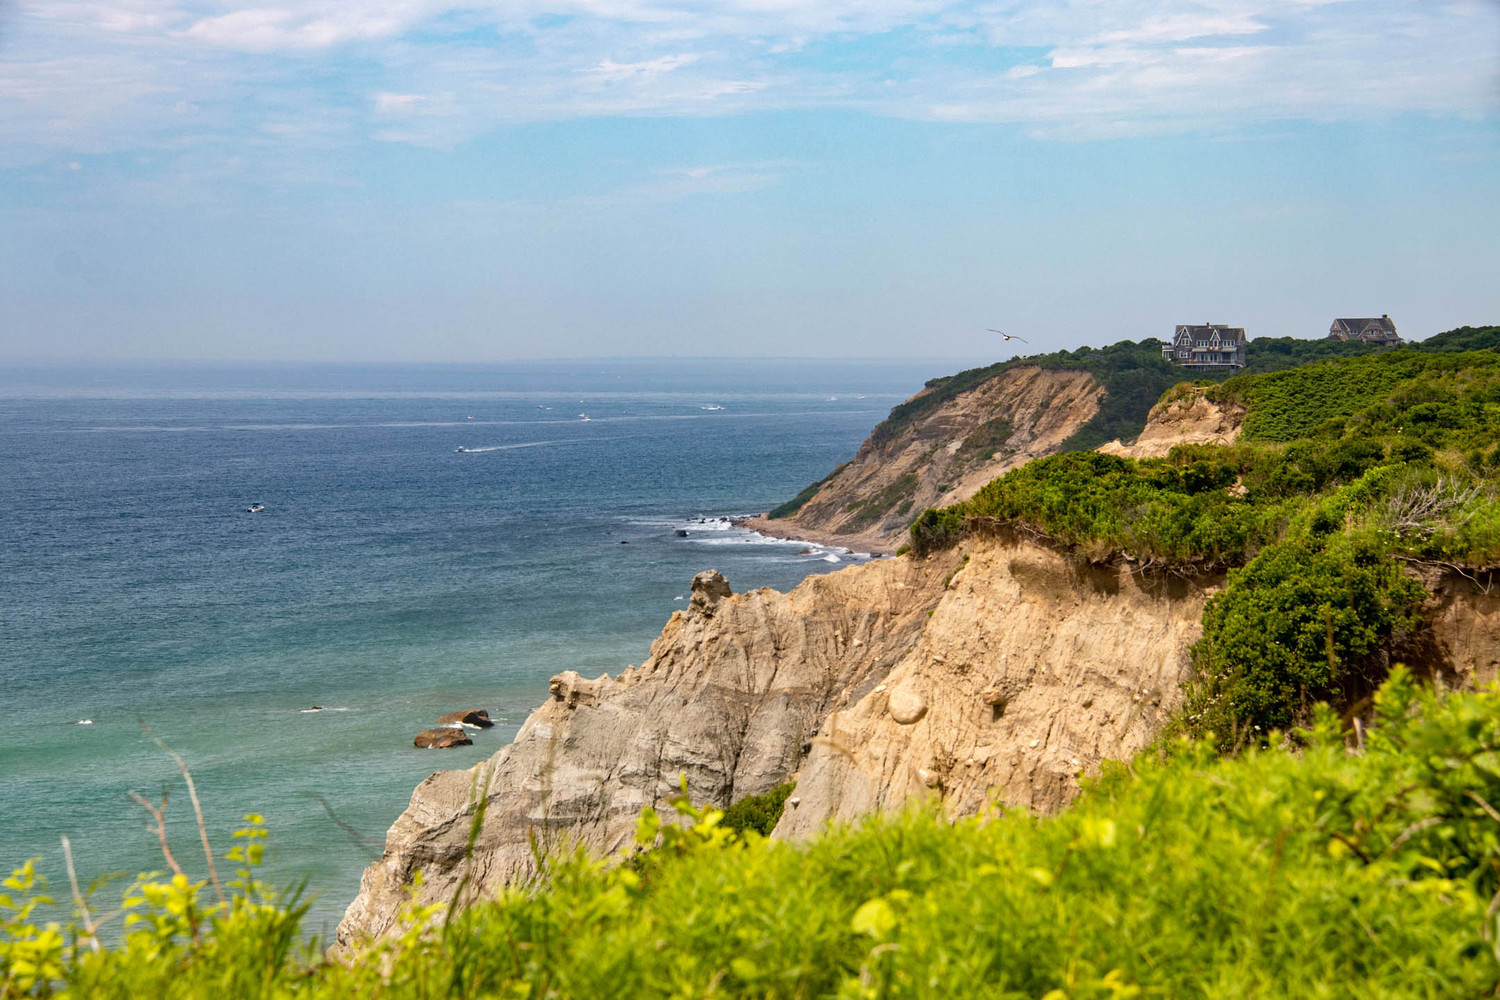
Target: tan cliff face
(1033, 668)
(998, 666)
(943, 457)
(734, 690)
(1188, 418)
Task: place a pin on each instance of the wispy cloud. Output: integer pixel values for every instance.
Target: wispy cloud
(92, 75)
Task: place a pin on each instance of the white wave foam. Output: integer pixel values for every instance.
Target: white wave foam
(529, 444)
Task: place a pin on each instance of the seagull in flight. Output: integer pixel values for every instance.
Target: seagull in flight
(1007, 336)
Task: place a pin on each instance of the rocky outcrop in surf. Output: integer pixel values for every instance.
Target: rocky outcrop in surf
(442, 738)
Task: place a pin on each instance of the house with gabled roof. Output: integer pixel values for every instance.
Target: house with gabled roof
(1380, 331)
(1211, 345)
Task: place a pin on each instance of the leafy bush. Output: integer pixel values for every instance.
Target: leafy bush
(1465, 338)
(1157, 510)
(937, 529)
(1307, 621)
(760, 813)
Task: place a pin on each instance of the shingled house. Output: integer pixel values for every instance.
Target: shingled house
(1371, 331)
(1207, 346)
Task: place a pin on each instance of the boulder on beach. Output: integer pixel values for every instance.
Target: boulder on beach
(441, 738)
(473, 717)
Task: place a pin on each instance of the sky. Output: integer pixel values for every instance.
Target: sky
(439, 181)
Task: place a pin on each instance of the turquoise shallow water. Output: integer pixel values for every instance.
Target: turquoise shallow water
(389, 578)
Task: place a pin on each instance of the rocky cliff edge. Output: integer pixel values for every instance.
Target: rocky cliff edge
(734, 690)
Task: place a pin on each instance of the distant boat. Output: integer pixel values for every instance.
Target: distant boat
(460, 448)
(585, 417)
(710, 407)
(833, 399)
(255, 508)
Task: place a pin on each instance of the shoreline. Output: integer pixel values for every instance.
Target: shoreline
(761, 525)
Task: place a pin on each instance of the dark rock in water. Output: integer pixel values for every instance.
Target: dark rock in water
(442, 737)
(624, 543)
(473, 717)
(681, 533)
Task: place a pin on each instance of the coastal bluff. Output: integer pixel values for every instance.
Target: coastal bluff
(734, 691)
(1000, 670)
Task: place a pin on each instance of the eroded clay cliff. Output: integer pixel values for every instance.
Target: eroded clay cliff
(942, 457)
(735, 688)
(1033, 668)
(1187, 416)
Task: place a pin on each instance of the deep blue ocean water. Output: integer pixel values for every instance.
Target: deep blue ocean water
(389, 579)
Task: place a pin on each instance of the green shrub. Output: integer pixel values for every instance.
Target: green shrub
(758, 812)
(1307, 621)
(936, 529)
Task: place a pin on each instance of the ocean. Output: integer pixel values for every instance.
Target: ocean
(388, 579)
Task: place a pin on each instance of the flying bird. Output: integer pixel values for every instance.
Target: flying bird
(1007, 336)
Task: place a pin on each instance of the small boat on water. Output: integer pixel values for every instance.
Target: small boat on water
(255, 508)
(710, 407)
(461, 449)
(585, 418)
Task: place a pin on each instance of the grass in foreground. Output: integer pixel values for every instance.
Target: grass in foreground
(1317, 873)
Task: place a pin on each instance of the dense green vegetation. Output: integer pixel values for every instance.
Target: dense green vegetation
(1319, 873)
(758, 812)
(1343, 467)
(1311, 620)
(1465, 338)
